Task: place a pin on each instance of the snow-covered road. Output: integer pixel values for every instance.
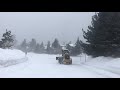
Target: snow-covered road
(46, 66)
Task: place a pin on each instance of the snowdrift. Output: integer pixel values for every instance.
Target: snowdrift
(11, 56)
(107, 66)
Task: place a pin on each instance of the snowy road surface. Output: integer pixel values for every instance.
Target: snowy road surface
(46, 66)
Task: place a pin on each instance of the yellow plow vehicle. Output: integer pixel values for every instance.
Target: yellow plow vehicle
(65, 58)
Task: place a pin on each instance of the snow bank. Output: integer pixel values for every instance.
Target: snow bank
(11, 56)
(103, 65)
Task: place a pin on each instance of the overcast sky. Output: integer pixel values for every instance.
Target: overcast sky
(44, 26)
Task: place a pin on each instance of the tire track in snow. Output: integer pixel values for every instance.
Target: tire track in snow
(12, 62)
(111, 72)
(102, 71)
(93, 70)
(97, 71)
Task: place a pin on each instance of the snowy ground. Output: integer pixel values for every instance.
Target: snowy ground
(46, 66)
(10, 54)
(10, 57)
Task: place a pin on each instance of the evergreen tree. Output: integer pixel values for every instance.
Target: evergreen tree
(32, 45)
(48, 47)
(42, 47)
(56, 47)
(14, 41)
(0, 44)
(103, 36)
(77, 49)
(69, 47)
(23, 45)
(37, 48)
(55, 44)
(7, 40)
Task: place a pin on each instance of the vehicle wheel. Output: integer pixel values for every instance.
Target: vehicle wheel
(71, 62)
(59, 62)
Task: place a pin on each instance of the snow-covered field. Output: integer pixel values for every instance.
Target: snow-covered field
(46, 66)
(10, 54)
(11, 57)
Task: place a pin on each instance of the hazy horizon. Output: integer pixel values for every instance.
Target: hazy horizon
(44, 26)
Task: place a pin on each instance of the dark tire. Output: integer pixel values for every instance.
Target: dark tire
(71, 62)
(59, 62)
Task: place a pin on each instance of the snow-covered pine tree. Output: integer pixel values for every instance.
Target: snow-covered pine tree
(69, 47)
(103, 36)
(14, 41)
(7, 40)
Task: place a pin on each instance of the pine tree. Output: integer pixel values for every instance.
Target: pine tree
(42, 47)
(55, 44)
(77, 49)
(37, 48)
(48, 47)
(0, 44)
(32, 45)
(56, 47)
(7, 40)
(14, 41)
(23, 45)
(69, 47)
(103, 36)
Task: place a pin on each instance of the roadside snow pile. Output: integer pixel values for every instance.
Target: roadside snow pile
(105, 63)
(11, 56)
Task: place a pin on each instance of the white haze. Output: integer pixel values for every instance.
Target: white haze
(44, 26)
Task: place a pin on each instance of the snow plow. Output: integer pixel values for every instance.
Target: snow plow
(65, 58)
